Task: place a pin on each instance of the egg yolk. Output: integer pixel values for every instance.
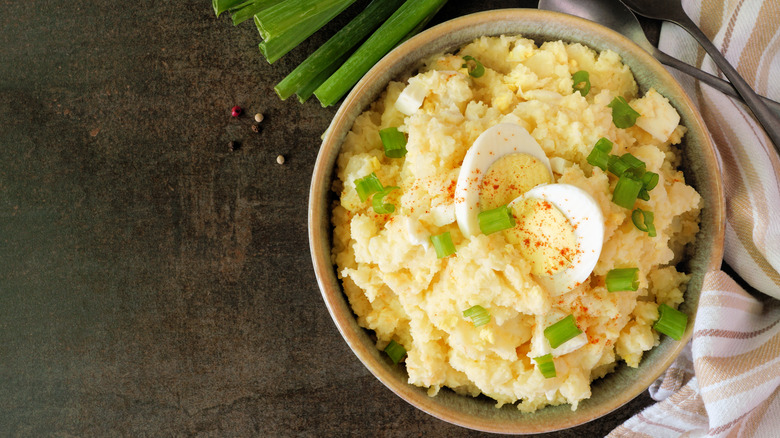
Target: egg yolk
(543, 236)
(509, 177)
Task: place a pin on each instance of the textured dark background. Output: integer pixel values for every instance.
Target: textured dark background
(153, 282)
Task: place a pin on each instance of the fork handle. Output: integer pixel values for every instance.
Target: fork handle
(715, 82)
(765, 117)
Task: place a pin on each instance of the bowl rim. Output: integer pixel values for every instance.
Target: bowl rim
(320, 233)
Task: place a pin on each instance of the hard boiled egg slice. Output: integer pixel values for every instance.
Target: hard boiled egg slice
(503, 163)
(559, 229)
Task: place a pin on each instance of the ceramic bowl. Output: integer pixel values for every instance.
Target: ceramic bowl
(701, 170)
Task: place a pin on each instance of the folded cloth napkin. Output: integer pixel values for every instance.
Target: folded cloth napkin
(728, 381)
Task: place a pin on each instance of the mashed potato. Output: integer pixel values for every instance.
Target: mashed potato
(398, 287)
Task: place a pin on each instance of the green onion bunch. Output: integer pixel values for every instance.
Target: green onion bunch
(336, 66)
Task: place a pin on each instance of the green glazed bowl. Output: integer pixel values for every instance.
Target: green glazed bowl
(699, 164)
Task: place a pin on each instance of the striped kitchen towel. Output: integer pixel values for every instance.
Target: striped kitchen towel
(728, 381)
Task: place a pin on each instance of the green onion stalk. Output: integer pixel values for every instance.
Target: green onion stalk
(221, 6)
(286, 24)
(394, 30)
(306, 88)
(249, 9)
(313, 71)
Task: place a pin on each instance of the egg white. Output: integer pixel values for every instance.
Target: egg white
(585, 216)
(576, 205)
(496, 142)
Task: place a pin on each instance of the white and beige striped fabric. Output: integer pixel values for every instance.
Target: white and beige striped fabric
(728, 382)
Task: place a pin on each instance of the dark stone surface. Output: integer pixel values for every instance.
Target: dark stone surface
(152, 281)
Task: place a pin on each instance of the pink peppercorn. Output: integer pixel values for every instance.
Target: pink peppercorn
(235, 111)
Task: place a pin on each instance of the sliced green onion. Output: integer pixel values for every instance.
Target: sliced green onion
(367, 185)
(643, 220)
(604, 145)
(394, 142)
(599, 156)
(497, 219)
(562, 331)
(643, 194)
(649, 180)
(671, 322)
(398, 26)
(622, 279)
(396, 351)
(546, 365)
(617, 166)
(478, 69)
(377, 201)
(623, 116)
(443, 245)
(318, 67)
(286, 24)
(632, 161)
(596, 158)
(638, 218)
(478, 314)
(581, 80)
(649, 217)
(626, 191)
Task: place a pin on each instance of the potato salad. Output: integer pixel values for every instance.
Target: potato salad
(509, 219)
